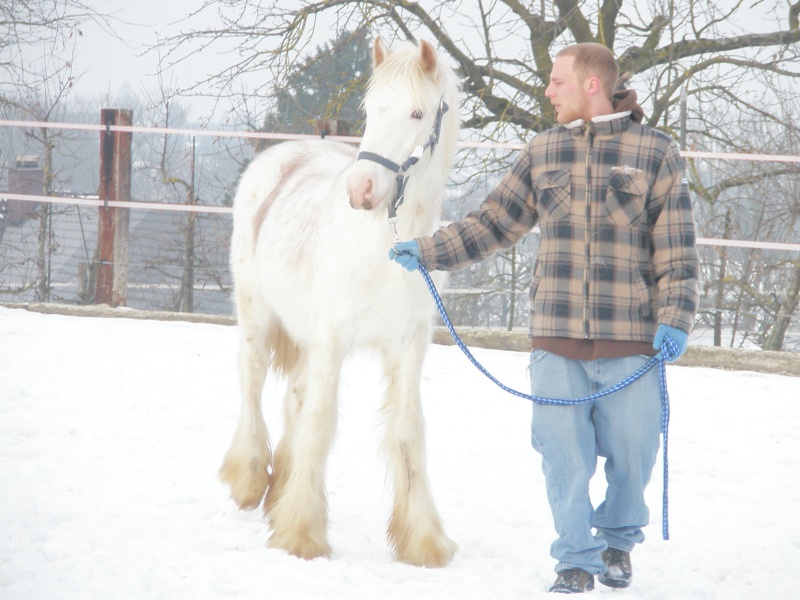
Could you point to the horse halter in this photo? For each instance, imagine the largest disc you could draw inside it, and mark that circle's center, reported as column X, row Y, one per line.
column 400, row 170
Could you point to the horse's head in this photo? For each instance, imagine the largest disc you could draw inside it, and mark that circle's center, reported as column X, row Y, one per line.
column 402, row 103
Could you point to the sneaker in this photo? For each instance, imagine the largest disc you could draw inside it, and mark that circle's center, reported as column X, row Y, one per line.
column 573, row 581
column 619, row 572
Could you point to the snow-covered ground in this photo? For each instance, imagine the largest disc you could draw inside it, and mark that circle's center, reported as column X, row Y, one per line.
column 112, row 431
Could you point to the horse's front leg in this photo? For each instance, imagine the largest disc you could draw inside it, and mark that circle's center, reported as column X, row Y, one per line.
column 246, row 465
column 296, row 503
column 415, row 528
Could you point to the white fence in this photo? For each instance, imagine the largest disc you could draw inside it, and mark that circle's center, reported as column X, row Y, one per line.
column 156, row 272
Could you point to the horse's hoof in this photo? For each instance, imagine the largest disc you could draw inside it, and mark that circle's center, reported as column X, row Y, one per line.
column 248, row 484
column 303, row 546
column 432, row 552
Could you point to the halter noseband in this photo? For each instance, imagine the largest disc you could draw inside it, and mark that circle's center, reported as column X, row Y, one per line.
column 400, row 170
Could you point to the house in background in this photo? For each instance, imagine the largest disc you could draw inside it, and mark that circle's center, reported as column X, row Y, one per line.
column 25, row 177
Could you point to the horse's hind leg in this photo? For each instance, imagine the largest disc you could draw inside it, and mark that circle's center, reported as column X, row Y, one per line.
column 415, row 528
column 246, row 465
column 296, row 503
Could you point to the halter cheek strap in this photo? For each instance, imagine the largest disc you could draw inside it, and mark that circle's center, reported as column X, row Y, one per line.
column 400, row 170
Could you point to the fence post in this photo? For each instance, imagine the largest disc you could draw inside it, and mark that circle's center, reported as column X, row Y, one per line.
column 111, row 283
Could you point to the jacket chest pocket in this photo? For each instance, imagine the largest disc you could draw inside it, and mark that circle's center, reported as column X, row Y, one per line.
column 625, row 198
column 554, row 194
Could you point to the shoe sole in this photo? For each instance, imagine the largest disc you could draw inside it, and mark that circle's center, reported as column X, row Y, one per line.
column 614, row 583
column 565, row 590
column 572, row 591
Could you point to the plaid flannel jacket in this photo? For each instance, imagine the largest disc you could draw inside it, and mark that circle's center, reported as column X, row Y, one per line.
column 617, row 254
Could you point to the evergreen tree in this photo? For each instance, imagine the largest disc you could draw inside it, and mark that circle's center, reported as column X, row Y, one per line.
column 326, row 87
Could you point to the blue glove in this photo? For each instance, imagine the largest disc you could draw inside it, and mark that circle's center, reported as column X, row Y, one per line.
column 681, row 339
column 406, row 254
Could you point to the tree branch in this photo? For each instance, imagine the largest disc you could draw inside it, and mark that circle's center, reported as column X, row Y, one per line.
column 569, row 11
column 637, row 59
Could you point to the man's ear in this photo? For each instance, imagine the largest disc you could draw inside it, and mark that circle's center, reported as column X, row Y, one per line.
column 593, row 85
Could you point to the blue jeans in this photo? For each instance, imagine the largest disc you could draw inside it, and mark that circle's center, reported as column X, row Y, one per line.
column 623, row 427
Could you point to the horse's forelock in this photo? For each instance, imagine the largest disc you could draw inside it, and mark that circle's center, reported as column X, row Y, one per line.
column 419, row 68
column 411, row 68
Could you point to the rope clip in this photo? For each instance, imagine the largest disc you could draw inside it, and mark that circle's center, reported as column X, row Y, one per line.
column 393, row 222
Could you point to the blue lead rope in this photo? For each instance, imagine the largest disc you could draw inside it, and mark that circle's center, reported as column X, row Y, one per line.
column 668, row 349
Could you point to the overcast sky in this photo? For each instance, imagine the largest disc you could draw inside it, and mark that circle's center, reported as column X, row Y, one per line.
column 108, row 64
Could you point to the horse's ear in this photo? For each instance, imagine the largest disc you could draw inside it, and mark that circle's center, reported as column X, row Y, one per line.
column 428, row 59
column 379, row 51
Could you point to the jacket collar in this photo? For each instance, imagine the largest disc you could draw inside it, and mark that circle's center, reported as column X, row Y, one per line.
column 604, row 125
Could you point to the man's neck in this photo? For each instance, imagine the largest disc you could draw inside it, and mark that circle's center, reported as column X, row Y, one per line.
column 602, row 108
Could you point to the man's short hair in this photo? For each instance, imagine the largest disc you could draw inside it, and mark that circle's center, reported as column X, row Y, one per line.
column 594, row 59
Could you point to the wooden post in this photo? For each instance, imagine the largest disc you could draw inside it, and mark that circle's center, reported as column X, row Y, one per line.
column 111, row 283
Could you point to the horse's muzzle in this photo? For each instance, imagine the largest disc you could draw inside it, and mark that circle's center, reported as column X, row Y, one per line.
column 361, row 192
column 363, row 206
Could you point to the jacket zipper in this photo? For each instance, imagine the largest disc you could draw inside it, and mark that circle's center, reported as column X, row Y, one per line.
column 587, row 231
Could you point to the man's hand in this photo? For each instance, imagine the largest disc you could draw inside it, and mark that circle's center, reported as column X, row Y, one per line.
column 406, row 254
column 680, row 338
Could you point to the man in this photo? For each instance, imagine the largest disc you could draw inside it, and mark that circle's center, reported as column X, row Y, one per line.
column 616, row 272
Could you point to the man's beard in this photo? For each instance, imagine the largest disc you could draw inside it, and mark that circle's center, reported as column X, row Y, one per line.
column 572, row 113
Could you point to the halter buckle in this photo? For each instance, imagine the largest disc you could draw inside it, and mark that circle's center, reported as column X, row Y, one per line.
column 417, row 152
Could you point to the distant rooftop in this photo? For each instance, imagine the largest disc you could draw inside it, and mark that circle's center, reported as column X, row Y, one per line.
column 27, row 161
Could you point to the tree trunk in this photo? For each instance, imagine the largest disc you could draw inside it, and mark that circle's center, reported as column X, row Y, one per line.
column 720, row 300
column 42, row 284
column 44, row 246
column 187, row 283
column 788, row 306
column 513, row 296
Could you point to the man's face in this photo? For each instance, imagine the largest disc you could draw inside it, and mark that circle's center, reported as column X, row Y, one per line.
column 567, row 95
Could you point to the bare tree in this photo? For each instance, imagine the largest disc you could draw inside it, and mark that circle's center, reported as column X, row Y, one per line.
column 752, row 294
column 184, row 252
column 503, row 48
column 736, row 79
column 37, row 46
column 31, row 28
column 42, row 99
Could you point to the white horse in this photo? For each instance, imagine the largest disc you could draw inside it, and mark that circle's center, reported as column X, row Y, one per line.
column 313, row 282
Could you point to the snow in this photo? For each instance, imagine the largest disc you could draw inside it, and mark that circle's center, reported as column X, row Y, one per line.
column 112, row 431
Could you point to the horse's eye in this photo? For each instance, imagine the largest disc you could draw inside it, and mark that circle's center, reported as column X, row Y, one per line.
column 417, row 115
